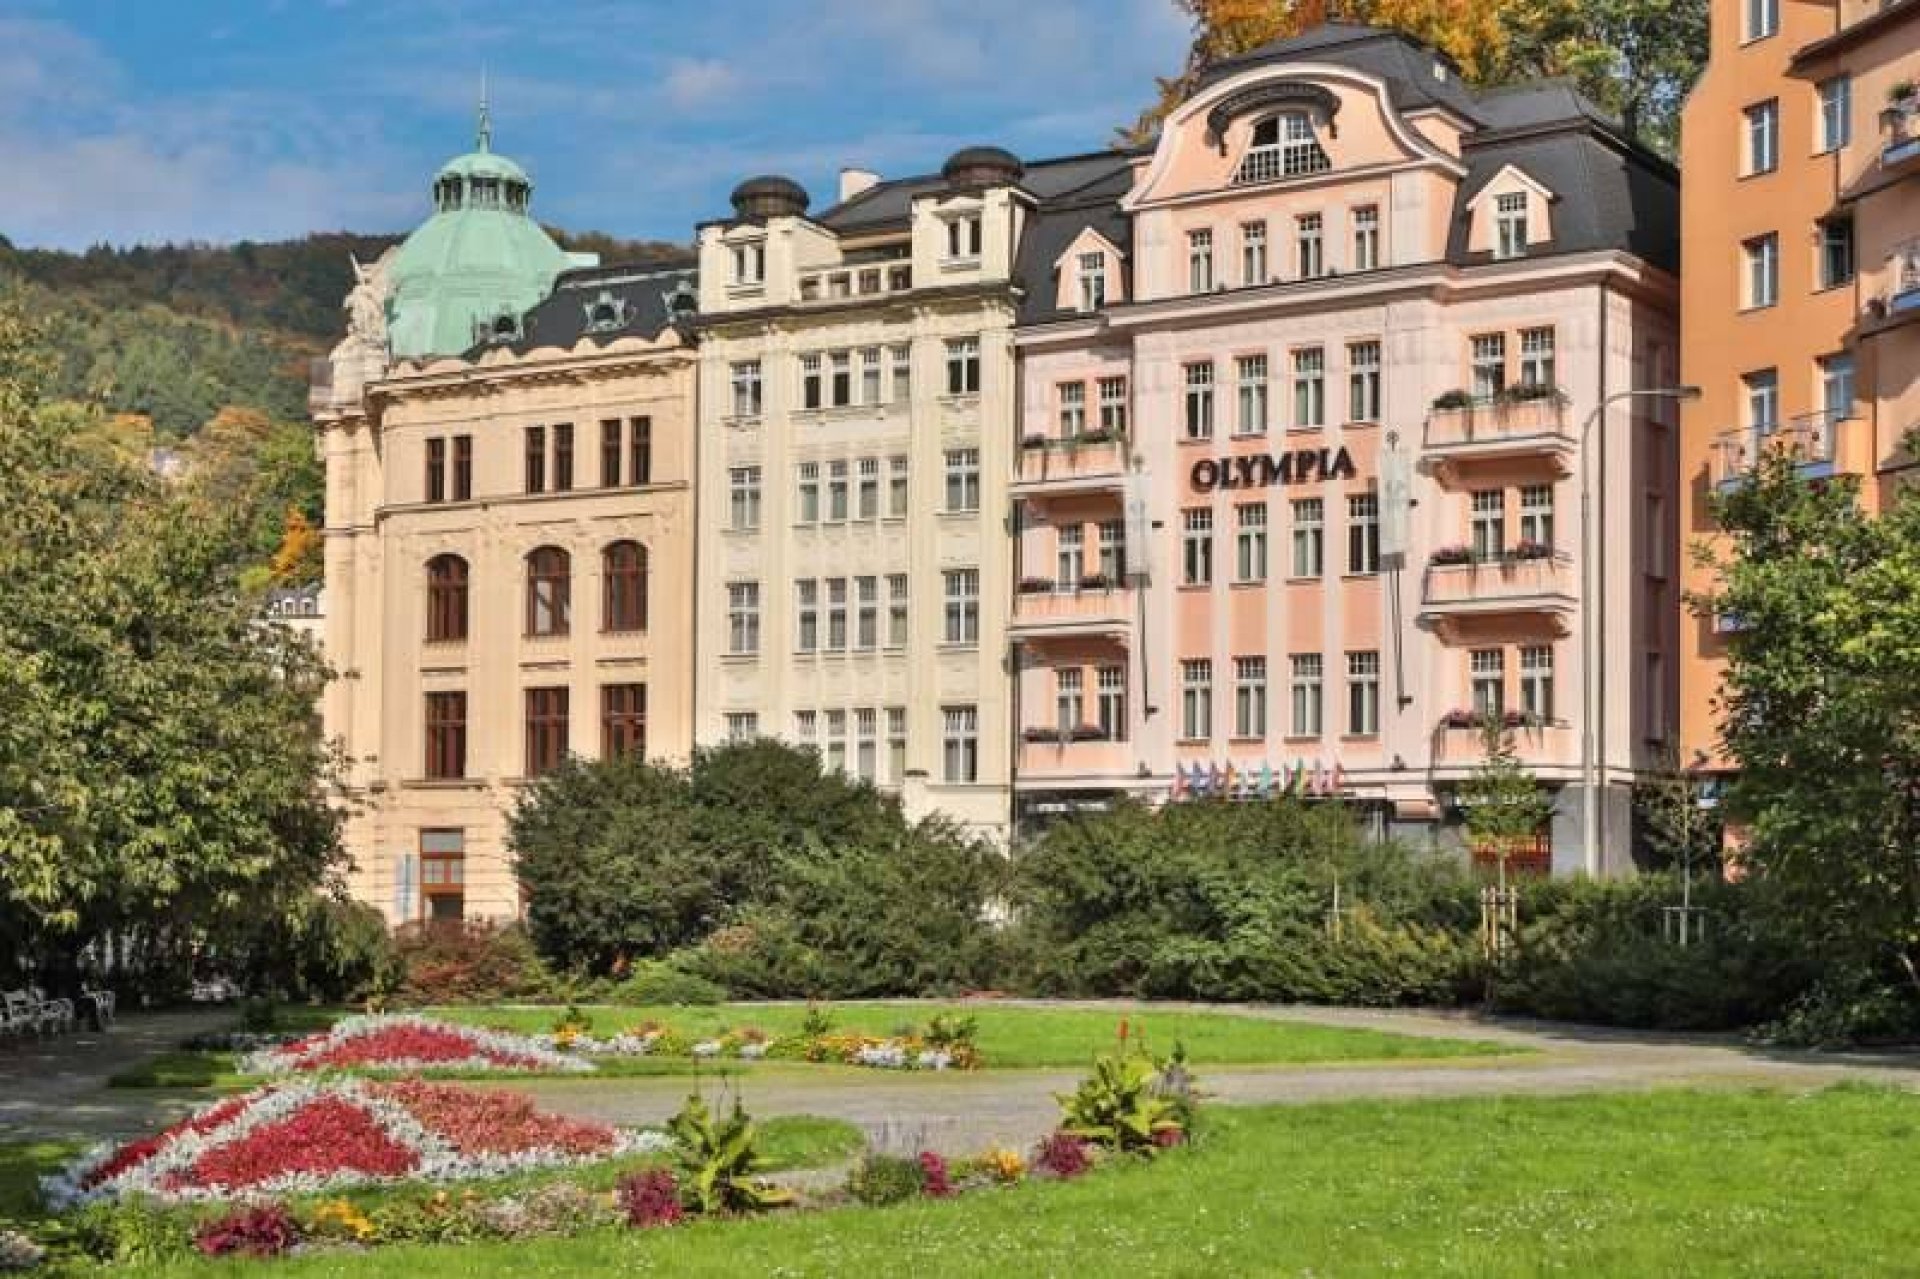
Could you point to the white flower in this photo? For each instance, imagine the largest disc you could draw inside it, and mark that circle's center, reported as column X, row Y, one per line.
column 752, row 1052
column 539, row 1049
column 707, row 1048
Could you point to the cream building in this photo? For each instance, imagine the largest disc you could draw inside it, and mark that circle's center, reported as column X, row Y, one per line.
column 507, row 432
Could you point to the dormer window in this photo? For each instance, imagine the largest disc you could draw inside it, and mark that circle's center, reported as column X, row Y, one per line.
column 486, row 192
column 750, row 263
column 1510, row 224
column 963, row 237
column 1284, row 146
column 1093, row 281
column 606, row 312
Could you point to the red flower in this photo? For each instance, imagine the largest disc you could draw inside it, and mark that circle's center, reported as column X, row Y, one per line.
column 489, row 1123
column 135, row 1153
column 935, row 1183
column 650, row 1198
column 412, row 1044
column 325, row 1136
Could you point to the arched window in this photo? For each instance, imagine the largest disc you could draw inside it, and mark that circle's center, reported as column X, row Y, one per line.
column 1284, row 146
column 549, row 592
column 623, row 567
column 446, row 598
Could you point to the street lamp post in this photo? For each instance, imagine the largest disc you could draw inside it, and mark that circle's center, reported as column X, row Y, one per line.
column 1592, row 649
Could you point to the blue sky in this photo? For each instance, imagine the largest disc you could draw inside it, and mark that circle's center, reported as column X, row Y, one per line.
column 153, row 120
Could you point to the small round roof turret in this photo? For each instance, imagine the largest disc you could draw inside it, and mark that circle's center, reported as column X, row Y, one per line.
column 770, row 196
column 982, row 167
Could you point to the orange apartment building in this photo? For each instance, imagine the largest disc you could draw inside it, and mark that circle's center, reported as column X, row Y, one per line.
column 1801, row 228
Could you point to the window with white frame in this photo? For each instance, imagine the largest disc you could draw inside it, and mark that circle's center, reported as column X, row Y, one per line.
column 743, row 498
column 1309, row 536
column 836, row 752
column 1113, row 550
column 838, row 492
column 1762, row 18
column 1111, row 703
column 1366, row 237
column 1363, row 382
column 896, row 610
column 1536, row 682
column 1363, row 694
column 1836, row 252
column 963, row 366
column 1763, row 399
column 743, row 618
column 897, row 488
column 896, row 744
column 1836, row 112
column 1489, row 365
column 1093, row 281
column 742, row 726
column 1309, row 671
column 866, row 749
column 1250, row 375
column 1067, row 706
column 1073, row 409
column 1762, row 254
column 1489, row 524
column 1763, row 136
column 1196, row 699
column 866, row 623
column 1250, row 697
column 963, row 605
column 1363, row 533
column 750, row 262
column 868, row 502
column 1510, row 224
column 806, row 615
column 1310, row 246
column 1253, row 253
column 1196, row 539
column 900, row 363
column 1283, row 146
column 1536, row 514
column 813, row 390
column 872, row 375
column 1069, row 558
column 747, row 399
column 836, row 615
column 963, row 480
column 1536, row 358
column 807, row 487
column 806, row 728
column 963, row 237
column 1200, row 400
column 840, row 382
column 1837, row 386
column 1250, row 557
column 1200, row 261
column 1488, row 669
column 961, row 743
column 1309, row 387
column 1113, row 406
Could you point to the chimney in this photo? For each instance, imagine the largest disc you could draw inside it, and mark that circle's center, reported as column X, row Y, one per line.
column 856, row 182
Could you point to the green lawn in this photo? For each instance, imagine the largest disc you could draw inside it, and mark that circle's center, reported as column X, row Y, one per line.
column 1695, row 1184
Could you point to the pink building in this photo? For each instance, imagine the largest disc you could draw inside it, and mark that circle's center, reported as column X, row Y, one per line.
column 1340, row 266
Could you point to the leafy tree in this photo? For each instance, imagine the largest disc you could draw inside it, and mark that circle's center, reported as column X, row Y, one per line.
column 1505, row 806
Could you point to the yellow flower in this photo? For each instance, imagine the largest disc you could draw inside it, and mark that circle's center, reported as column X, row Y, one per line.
column 1005, row 1165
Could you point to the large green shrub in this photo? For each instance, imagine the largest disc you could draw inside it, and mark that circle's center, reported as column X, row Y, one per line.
column 451, row 963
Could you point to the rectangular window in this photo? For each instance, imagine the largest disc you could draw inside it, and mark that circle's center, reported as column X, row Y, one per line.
column 750, row 262
column 866, row 625
column 896, row 744
column 1073, row 409
column 1309, row 536
column 1836, row 252
column 896, row 610
column 806, row 728
column 1837, row 386
column 1363, row 382
column 1366, row 237
column 900, row 359
column 446, row 735
column 437, row 469
column 963, row 480
column 1489, row 524
column 1488, row 668
column 806, row 615
column 1309, row 387
column 1762, row 255
column 963, row 237
column 813, row 389
column 1200, row 400
column 1113, row 550
column 961, row 743
column 640, row 451
column 1093, row 281
column 610, row 436
column 836, row 615
column 1250, row 558
column 1069, row 556
column 807, row 486
column 536, row 459
column 1536, row 515
column 1113, row 406
column 1763, row 137
column 1196, row 699
column 1363, row 533
column 743, row 618
column 462, row 468
column 563, row 457
column 963, row 367
column 840, row 379
column 1249, row 697
column 1308, row 672
column 838, row 493
column 747, row 400
column 867, row 494
column 1200, row 261
column 896, row 488
column 1111, row 703
column 866, row 745
column 443, row 874
column 1763, row 400
column 742, row 726
column 1068, row 708
column 835, row 756
column 1536, row 358
column 871, row 376
column 963, row 605
column 1763, row 18
column 743, row 497
column 1510, row 225
column 546, row 729
column 1197, row 547
column 1489, row 365
column 1253, row 253
column 1536, row 683
column 1250, row 373
column 1312, row 252
column 1836, row 112
column 1363, row 694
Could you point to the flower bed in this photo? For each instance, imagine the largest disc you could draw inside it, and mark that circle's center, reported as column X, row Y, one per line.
column 307, row 1136
column 407, row 1044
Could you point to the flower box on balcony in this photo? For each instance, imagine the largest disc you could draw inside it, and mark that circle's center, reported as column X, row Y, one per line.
column 1530, row 550
column 1530, row 393
column 1036, row 585
column 1458, row 718
column 1449, row 555
column 1452, row 401
column 1034, row 442
column 1099, row 435
column 1096, row 582
column 1040, row 736
column 1089, row 733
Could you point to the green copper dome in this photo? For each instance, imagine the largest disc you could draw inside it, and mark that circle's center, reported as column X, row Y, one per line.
column 478, row 264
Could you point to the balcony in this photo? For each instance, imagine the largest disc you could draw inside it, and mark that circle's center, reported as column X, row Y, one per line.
column 1043, row 611
column 870, row 280
column 1807, row 441
column 1094, row 460
column 1897, row 301
column 1899, row 134
column 1523, row 421
column 1459, row 740
column 1050, row 758
column 1527, row 579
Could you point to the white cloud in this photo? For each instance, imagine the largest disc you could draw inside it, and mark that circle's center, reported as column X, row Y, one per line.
column 691, row 83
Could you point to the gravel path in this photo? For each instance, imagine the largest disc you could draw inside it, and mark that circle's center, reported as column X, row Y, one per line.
column 56, row 1088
